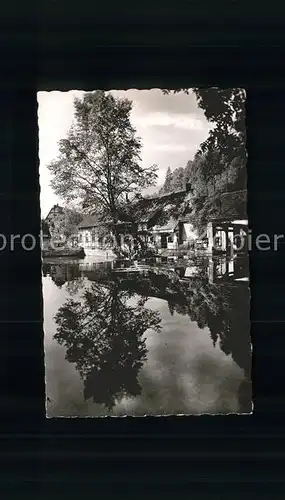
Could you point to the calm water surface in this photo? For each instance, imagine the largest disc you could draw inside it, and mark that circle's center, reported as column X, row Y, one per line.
column 160, row 342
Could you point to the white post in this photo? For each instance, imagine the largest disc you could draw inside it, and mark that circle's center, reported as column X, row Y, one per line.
column 210, row 235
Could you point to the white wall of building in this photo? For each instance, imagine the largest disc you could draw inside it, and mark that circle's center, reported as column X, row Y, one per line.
column 88, row 238
column 188, row 232
column 172, row 241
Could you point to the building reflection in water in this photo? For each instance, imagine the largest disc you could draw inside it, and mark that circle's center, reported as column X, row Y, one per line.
column 232, row 270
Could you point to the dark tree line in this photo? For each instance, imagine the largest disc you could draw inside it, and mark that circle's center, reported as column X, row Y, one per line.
column 176, row 180
column 217, row 174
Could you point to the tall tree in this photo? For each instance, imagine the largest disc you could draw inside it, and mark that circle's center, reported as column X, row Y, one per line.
column 187, row 170
column 178, row 179
column 174, row 181
column 99, row 161
column 72, row 219
column 168, row 181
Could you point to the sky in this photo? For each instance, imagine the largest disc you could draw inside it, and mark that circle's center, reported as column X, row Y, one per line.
column 171, row 128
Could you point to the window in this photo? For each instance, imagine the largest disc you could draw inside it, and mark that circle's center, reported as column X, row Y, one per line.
column 86, row 238
column 80, row 238
column 170, row 238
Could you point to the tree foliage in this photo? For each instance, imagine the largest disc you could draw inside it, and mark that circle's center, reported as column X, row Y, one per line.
column 225, row 109
column 167, row 187
column 216, row 191
column 219, row 167
column 176, row 180
column 72, row 219
column 99, row 160
column 64, row 223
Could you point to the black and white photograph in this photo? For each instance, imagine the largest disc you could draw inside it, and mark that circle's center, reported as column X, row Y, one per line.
column 145, row 252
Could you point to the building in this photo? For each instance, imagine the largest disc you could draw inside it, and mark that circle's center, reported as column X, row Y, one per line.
column 95, row 237
column 164, row 221
column 234, row 270
column 227, row 233
column 227, row 236
column 90, row 232
column 56, row 220
column 158, row 221
column 173, row 234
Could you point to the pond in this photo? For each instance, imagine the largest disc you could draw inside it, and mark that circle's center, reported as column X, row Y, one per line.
column 170, row 340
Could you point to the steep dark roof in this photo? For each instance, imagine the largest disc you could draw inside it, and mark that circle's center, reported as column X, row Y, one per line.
column 51, row 210
column 91, row 221
column 158, row 210
column 161, row 206
column 168, row 226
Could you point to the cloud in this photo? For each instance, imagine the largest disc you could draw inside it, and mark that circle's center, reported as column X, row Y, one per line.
column 153, row 100
column 173, row 148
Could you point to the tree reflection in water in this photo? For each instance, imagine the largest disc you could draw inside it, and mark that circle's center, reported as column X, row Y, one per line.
column 103, row 337
column 62, row 273
column 103, row 333
column 224, row 309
